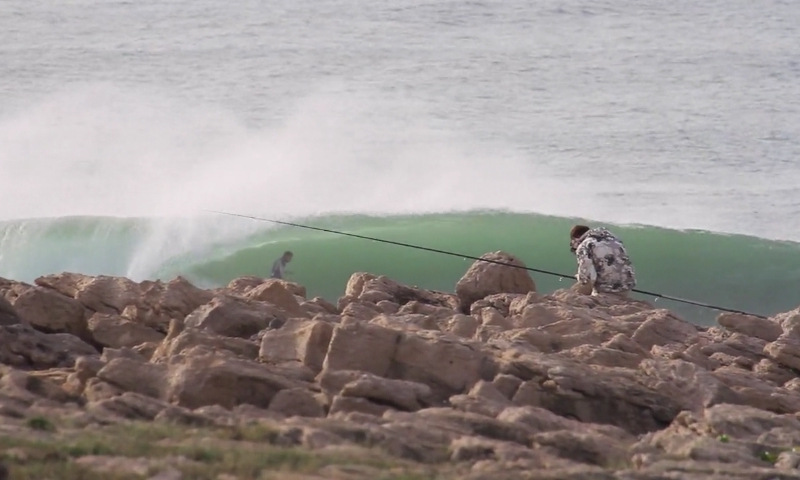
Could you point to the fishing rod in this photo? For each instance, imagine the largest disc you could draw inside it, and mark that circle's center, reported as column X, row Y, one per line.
column 470, row 257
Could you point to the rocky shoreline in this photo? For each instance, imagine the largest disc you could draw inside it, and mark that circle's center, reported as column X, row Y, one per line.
column 495, row 381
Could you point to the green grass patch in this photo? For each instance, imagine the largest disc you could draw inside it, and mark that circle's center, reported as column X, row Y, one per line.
column 41, row 423
column 247, row 452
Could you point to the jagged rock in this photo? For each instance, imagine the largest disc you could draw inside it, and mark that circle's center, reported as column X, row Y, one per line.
column 737, row 345
column 447, row 364
column 23, row 347
column 414, row 307
column 373, row 289
column 152, row 304
column 110, row 354
column 507, row 385
column 111, row 330
column 537, row 315
column 274, row 291
column 409, row 323
column 472, row 449
column 242, row 285
column 461, row 325
column 692, row 387
column 590, row 447
column 135, row 376
column 234, row 317
column 491, row 317
column 85, row 368
column 180, row 339
column 298, row 340
column 744, row 422
column 296, row 402
column 399, row 394
column 321, row 304
column 770, row 371
column 756, row 392
column 28, row 388
column 97, row 390
column 785, row 350
column 474, row 424
column 661, row 328
column 212, row 379
column 589, row 393
column 594, row 355
column 475, row 404
column 342, row 404
column 751, row 326
column 485, row 278
column 8, row 316
column 362, row 347
column 131, row 405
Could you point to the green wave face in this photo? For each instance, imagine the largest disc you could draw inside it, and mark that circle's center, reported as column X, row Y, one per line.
column 736, row 272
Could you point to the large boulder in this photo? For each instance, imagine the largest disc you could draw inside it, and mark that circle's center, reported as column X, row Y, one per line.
column 211, row 379
column 49, row 311
column 485, row 278
column 589, row 393
column 135, row 376
column 363, row 347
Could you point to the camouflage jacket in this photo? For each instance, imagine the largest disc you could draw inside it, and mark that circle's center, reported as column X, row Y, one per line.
column 603, row 262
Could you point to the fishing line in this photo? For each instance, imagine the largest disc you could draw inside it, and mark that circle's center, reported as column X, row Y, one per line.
column 470, row 257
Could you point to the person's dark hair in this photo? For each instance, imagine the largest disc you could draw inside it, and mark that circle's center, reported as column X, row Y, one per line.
column 287, row 253
column 578, row 231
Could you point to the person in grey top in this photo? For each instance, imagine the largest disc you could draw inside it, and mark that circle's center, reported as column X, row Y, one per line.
column 279, row 266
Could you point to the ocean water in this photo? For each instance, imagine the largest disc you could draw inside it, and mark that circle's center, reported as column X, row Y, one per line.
column 465, row 126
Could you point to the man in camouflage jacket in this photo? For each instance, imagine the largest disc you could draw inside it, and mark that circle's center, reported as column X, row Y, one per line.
column 603, row 262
